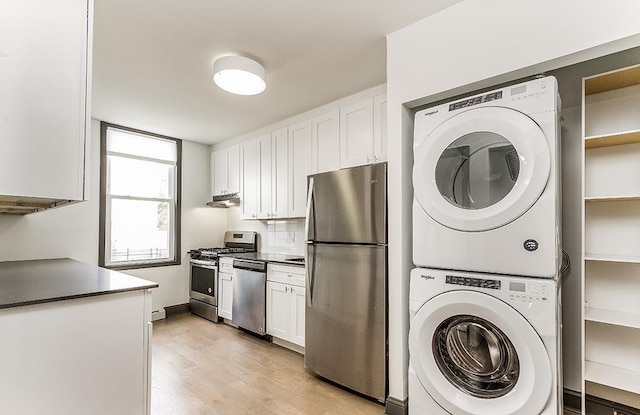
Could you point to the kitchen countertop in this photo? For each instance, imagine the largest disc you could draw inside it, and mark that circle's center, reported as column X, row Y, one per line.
column 47, row 280
column 266, row 257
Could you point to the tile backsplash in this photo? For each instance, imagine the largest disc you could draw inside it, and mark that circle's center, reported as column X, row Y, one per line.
column 283, row 236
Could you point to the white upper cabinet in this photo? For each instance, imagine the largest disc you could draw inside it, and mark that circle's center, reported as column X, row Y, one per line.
column 299, row 167
column 280, row 174
column 380, row 134
column 275, row 166
column 263, row 197
column 356, row 134
column 45, row 61
column 363, row 132
column 325, row 133
column 249, row 179
column 225, row 171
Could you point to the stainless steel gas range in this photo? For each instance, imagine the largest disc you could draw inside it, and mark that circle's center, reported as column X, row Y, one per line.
column 203, row 275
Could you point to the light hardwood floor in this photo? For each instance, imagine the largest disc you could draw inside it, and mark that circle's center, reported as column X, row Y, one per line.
column 203, row 368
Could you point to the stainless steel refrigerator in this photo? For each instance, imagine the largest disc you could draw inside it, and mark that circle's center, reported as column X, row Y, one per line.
column 346, row 258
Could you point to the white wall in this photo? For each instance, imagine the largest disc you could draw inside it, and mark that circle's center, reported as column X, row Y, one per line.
column 472, row 45
column 72, row 231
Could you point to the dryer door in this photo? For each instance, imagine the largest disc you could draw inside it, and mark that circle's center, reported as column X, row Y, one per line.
column 476, row 355
column 481, row 169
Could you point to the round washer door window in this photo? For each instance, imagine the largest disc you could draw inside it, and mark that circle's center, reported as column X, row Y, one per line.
column 481, row 169
column 476, row 355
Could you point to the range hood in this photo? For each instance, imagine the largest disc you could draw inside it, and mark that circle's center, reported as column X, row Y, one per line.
column 225, row 201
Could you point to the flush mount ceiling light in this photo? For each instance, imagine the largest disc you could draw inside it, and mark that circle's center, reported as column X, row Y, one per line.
column 239, row 75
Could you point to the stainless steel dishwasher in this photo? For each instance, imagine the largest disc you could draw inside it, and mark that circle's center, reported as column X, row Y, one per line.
column 249, row 295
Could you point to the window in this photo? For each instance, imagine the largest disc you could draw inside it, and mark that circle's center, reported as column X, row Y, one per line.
column 139, row 198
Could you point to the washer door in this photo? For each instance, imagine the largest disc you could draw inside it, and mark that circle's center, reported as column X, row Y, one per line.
column 476, row 355
column 481, row 169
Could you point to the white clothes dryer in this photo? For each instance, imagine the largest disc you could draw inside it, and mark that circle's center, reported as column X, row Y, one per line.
column 486, row 181
column 483, row 344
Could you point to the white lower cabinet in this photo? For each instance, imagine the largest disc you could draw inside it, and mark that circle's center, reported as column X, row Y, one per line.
column 225, row 288
column 81, row 356
column 286, row 303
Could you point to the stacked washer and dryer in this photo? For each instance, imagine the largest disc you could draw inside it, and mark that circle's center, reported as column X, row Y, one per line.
column 485, row 299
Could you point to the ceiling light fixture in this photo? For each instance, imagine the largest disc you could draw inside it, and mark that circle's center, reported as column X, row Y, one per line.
column 239, row 75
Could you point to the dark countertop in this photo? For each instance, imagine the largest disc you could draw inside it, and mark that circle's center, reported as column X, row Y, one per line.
column 48, row 280
column 266, row 257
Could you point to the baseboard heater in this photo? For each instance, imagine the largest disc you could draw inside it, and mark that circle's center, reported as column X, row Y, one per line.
column 158, row 315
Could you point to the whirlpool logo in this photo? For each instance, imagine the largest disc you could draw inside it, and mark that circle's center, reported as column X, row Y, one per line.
column 427, row 277
column 426, row 114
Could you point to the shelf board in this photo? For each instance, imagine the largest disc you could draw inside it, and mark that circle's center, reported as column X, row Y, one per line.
column 615, row 377
column 616, row 318
column 595, row 199
column 615, row 139
column 612, row 80
column 633, row 259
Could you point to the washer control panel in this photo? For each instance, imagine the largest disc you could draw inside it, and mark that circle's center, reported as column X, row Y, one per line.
column 528, row 291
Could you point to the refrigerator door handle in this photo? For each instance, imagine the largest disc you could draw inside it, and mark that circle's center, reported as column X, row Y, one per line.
column 308, row 224
column 310, row 273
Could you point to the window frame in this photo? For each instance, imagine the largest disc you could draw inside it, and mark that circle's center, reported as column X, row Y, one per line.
column 104, row 207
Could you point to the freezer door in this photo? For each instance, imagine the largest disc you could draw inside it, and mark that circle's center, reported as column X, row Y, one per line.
column 348, row 205
column 346, row 314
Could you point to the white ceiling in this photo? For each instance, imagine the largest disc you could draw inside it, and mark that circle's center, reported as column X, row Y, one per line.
column 152, row 59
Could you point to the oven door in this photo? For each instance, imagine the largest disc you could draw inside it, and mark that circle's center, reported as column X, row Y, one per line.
column 204, row 282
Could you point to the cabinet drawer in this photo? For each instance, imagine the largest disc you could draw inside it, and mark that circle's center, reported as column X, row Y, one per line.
column 286, row 274
column 225, row 265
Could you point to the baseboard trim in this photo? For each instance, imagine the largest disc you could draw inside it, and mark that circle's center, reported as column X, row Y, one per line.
column 395, row 406
column 172, row 310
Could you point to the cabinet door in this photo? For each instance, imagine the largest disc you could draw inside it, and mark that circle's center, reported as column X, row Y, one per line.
column 325, row 131
column 225, row 293
column 356, row 134
column 278, row 310
column 299, row 167
column 280, row 172
column 219, row 172
column 298, row 305
column 80, row 356
column 249, row 179
column 380, row 141
column 233, row 171
column 265, row 177
column 44, row 97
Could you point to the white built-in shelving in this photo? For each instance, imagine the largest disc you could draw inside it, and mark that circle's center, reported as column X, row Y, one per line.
column 611, row 245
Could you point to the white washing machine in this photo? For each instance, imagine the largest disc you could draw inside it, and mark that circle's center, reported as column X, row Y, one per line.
column 483, row 344
column 486, row 181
